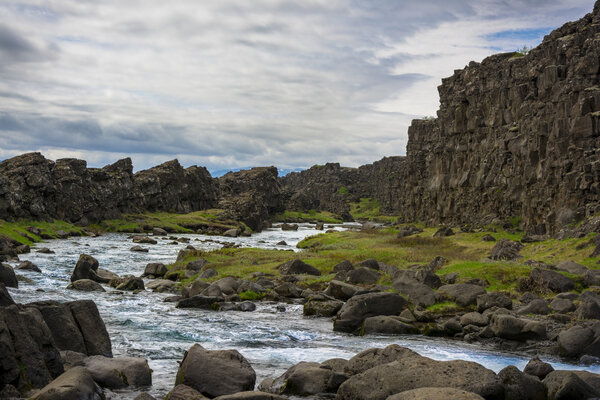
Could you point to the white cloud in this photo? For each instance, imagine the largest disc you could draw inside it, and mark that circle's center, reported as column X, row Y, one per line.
column 235, row 83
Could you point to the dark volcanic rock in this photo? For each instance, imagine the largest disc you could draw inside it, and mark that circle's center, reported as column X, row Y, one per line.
column 5, row 298
column 76, row 383
column 358, row 308
column 7, row 276
column 87, row 268
column 297, row 267
column 506, row 249
column 307, row 378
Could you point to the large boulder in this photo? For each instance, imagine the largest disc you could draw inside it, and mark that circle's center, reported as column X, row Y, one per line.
column 551, row 280
column 215, row 372
column 358, row 308
column 572, row 267
column 5, row 298
column 306, row 379
column 536, row 306
column 155, row 269
column 7, row 276
column 93, row 330
column 463, row 294
column 537, row 367
column 86, row 268
column 29, row 266
column 387, row 325
column 506, row 249
column 341, row 290
column 76, row 383
column 86, row 285
column 373, row 357
column 320, row 306
column 520, row 386
column 202, row 302
column 436, row 393
column 117, row 373
column 298, row 267
column 573, row 342
column 508, row 327
column 493, row 299
column 566, row 385
column 363, row 275
column 418, row 293
column 382, row 381
column 184, row 392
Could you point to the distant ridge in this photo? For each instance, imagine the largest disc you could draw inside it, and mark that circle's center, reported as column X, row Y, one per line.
column 281, row 171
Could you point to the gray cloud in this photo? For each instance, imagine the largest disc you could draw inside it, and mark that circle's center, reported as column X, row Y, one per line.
column 235, row 83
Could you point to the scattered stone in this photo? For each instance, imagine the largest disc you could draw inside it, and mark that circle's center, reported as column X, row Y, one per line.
column 298, row 267
column 473, row 318
column 184, row 392
column 373, row 357
column 518, row 385
column 340, row 290
column 196, row 265
column 156, row 270
column 359, row 307
column 282, row 243
column 551, row 280
column 156, row 231
column 130, row 283
column 29, row 266
column 588, row 309
column 289, row 227
column 139, row 249
column 86, row 268
column 208, row 273
column 363, row 275
column 144, row 240
column 537, row 367
column 463, row 294
column 215, row 372
column 506, row 249
column 251, row 395
column 319, row 306
column 369, row 263
column 86, row 285
column 537, row 306
column 572, row 342
column 202, row 302
column 512, row 328
column 562, row 306
column 231, row 233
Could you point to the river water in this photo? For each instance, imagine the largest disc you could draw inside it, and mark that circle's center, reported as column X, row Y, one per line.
column 142, row 325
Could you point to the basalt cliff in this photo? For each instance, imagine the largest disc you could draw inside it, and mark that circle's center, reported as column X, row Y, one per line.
column 515, row 136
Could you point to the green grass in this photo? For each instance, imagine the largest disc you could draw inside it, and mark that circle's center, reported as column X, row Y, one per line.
column 251, row 295
column 369, row 209
column 501, row 276
column 17, row 230
column 310, row 216
column 444, row 307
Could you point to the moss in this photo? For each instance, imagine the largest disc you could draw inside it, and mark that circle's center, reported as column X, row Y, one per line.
column 311, row 216
column 251, row 295
column 343, row 190
column 370, row 209
column 17, row 230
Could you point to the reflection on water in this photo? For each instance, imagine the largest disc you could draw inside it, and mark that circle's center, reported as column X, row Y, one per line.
column 143, row 325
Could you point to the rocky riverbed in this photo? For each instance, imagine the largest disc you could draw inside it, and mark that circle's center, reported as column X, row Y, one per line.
column 273, row 337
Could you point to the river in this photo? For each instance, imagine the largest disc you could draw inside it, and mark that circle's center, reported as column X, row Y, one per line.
column 142, row 325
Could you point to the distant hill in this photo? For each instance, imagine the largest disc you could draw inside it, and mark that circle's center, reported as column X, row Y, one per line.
column 281, row 171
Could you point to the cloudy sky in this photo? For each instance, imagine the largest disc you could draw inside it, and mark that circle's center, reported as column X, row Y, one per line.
column 237, row 83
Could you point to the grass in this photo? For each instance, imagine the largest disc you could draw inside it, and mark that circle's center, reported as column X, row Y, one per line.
column 251, row 295
column 443, row 308
column 208, row 220
column 17, row 230
column 369, row 209
column 310, row 216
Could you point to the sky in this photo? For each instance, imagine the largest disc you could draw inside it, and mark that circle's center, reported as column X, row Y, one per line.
column 237, row 83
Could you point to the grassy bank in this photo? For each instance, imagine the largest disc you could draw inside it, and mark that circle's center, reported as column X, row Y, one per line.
column 22, row 231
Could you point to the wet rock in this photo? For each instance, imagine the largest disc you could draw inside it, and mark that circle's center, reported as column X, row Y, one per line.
column 29, row 266
column 7, row 276
column 184, row 392
column 506, row 249
column 537, row 367
column 566, row 385
column 161, row 285
column 493, row 299
column 298, row 267
column 322, row 307
column 156, row 231
column 129, row 283
column 215, row 372
column 231, row 233
column 86, row 268
column 572, row 342
column 44, row 250
column 387, row 325
column 143, row 240
column 415, row 372
column 373, row 357
column 340, row 290
column 156, row 270
column 202, row 302
column 306, row 379
column 76, row 383
column 518, row 385
column 139, row 249
column 408, row 230
column 118, row 373
column 431, row 393
column 105, row 274
column 463, row 294
column 359, row 307
column 5, row 298
column 363, row 275
column 86, row 285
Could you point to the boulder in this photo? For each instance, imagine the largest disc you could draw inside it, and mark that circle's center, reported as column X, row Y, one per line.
column 463, row 294
column 76, row 383
column 387, row 325
column 161, row 286
column 130, row 283
column 566, row 385
column 86, row 285
column 106, row 274
column 208, row 273
column 363, row 275
column 72, row 359
column 228, row 285
column 551, row 280
column 322, row 307
column 63, row 327
column 369, row 263
column 588, row 309
column 44, row 250
column 184, row 392
column 298, row 267
column 289, row 290
column 488, row 238
column 436, row 393
column 251, row 395
column 202, row 302
column 340, row 290
column 336, row 364
column 473, row 318
column 408, row 230
column 418, row 293
column 118, row 373
column 443, row 232
column 537, row 306
column 196, row 265
column 306, row 379
column 289, row 227
column 572, row 267
column 506, row 249
column 139, row 249
column 156, row 231
column 373, row 357
column 143, row 240
column 359, row 307
column 493, row 299
column 7, row 276
column 231, row 233
column 537, row 367
column 155, row 269
column 86, row 268
column 92, row 328
column 562, row 306
column 518, row 385
column 408, row 373
column 29, row 266
column 343, row 266
column 5, row 298
column 572, row 342
column 512, row 328
column 215, row 372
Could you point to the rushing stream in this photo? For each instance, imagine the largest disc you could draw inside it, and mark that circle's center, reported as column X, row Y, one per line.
column 142, row 325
